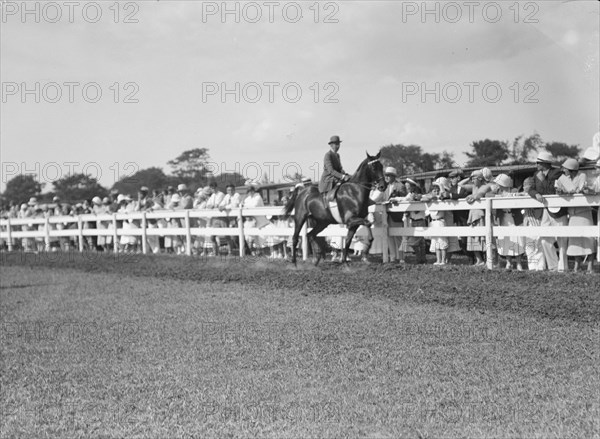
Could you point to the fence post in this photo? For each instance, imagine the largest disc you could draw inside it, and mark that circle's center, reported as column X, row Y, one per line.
column 47, row 234
column 80, row 232
column 9, row 231
column 144, row 233
column 188, row 234
column 115, row 235
column 598, row 241
column 241, row 233
column 384, row 231
column 304, row 233
column 489, row 234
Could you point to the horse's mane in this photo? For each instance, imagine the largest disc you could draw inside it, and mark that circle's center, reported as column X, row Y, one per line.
column 362, row 169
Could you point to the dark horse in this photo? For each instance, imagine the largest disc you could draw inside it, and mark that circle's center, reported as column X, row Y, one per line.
column 352, row 201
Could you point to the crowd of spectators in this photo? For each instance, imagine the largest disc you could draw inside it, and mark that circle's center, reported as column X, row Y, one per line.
column 171, row 199
column 539, row 253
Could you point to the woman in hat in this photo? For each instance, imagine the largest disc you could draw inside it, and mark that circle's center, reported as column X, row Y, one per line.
column 508, row 246
column 439, row 244
column 254, row 199
column 595, row 189
column 413, row 219
column 173, row 243
column 574, row 182
column 476, row 218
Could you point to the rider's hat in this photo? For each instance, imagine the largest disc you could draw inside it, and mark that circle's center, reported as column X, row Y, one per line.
column 334, row 139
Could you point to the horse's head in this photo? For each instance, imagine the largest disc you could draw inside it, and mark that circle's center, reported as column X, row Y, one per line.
column 375, row 172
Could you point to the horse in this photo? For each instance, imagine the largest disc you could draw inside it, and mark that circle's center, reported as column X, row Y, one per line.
column 352, row 199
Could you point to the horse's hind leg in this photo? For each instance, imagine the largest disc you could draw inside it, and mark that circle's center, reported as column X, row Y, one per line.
column 351, row 231
column 318, row 228
column 298, row 223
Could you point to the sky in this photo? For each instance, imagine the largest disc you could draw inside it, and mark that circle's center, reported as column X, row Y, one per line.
column 263, row 85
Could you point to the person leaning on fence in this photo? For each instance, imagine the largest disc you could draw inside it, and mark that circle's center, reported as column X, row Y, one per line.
column 394, row 190
column 544, row 184
column 186, row 199
column 413, row 219
column 213, row 202
column 230, row 201
column 439, row 244
column 174, row 243
column 510, row 247
column 594, row 188
column 476, row 218
column 202, row 244
column 531, row 218
column 251, row 200
column 574, row 182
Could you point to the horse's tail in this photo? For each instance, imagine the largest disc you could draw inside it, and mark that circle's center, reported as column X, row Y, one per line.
column 289, row 206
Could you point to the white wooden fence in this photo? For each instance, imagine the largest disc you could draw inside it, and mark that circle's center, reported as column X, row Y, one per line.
column 10, row 228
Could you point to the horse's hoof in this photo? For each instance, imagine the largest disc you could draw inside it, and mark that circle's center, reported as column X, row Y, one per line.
column 365, row 260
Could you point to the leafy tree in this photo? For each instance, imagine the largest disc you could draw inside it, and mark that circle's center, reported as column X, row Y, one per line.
column 446, row 160
column 411, row 159
column 521, row 149
column 561, row 151
column 190, row 166
column 230, row 178
column 153, row 178
column 78, row 187
column 22, row 187
column 487, row 153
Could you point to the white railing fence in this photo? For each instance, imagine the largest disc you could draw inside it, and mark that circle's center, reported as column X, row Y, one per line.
column 76, row 226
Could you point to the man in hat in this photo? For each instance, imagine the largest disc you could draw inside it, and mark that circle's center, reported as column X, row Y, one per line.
column 394, row 189
column 144, row 201
column 544, row 184
column 459, row 217
column 333, row 172
column 186, row 200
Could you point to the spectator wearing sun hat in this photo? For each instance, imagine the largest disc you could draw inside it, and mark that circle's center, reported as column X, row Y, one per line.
column 574, row 182
column 510, row 247
column 439, row 244
column 186, row 199
column 457, row 192
column 476, row 218
column 595, row 187
column 251, row 200
column 413, row 218
column 144, row 202
column 544, row 183
column 394, row 190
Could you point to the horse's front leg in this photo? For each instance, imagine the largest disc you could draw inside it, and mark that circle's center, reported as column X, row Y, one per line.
column 351, row 231
column 353, row 226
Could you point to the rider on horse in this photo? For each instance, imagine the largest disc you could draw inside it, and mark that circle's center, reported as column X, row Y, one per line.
column 333, row 173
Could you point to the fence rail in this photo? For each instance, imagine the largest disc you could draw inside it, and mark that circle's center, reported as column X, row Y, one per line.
column 76, row 226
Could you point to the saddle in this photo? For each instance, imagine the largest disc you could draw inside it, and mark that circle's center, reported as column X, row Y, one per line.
column 329, row 200
column 329, row 196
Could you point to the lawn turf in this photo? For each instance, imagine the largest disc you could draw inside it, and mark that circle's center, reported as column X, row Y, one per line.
column 177, row 347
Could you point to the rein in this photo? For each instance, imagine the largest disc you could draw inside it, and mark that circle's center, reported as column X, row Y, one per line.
column 366, row 186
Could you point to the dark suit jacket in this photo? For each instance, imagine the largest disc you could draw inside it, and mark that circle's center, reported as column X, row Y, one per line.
column 544, row 185
column 332, row 171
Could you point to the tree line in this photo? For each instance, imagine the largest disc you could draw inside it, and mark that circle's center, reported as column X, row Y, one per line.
column 190, row 167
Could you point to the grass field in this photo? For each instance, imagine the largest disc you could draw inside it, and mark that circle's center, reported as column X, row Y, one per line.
column 143, row 346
